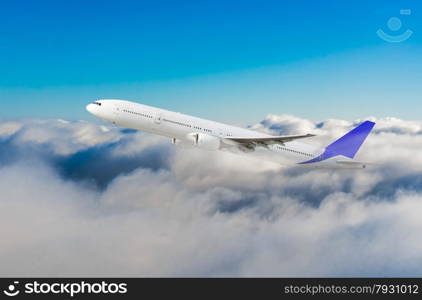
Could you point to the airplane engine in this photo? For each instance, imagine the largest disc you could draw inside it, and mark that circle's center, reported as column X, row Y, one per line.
column 204, row 141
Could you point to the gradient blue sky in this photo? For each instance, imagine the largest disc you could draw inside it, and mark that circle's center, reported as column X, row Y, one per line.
column 233, row 61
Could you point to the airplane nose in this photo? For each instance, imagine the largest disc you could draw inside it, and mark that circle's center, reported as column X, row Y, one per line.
column 90, row 108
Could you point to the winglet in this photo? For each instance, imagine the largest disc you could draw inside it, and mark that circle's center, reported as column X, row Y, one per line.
column 349, row 144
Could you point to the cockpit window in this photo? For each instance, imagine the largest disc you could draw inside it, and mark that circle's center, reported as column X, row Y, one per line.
column 97, row 103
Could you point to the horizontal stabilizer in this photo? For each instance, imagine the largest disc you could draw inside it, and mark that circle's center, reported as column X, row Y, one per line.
column 352, row 164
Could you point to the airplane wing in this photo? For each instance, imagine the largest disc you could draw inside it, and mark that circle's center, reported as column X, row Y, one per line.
column 251, row 142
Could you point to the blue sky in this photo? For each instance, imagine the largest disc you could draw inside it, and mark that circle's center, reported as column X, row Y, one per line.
column 227, row 60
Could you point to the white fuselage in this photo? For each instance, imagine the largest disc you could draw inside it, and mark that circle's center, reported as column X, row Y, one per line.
column 180, row 127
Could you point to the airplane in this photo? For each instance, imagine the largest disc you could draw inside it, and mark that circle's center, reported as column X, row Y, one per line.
column 205, row 134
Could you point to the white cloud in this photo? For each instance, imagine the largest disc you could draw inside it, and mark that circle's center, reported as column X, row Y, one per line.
column 9, row 128
column 162, row 211
column 61, row 136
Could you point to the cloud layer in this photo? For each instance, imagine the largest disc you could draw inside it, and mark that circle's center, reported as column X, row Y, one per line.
column 80, row 199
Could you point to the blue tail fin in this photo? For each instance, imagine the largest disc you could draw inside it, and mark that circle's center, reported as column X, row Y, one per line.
column 350, row 143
